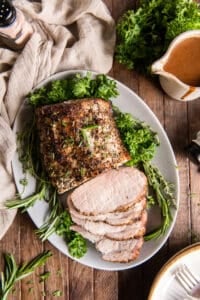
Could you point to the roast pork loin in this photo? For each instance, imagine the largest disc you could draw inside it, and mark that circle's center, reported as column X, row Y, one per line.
column 78, row 140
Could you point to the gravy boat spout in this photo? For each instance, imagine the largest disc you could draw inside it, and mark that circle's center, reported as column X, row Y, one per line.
column 179, row 68
column 157, row 67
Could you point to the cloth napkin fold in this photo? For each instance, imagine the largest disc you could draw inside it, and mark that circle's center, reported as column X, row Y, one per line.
column 68, row 34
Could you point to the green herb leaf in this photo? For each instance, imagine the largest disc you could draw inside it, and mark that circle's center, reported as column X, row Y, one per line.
column 14, row 273
column 138, row 138
column 144, row 34
column 75, row 87
column 77, row 246
column 44, row 276
column 164, row 192
column 28, row 201
column 57, row 293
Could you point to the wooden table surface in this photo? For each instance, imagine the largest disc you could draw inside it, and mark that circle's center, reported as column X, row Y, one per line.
column 77, row 282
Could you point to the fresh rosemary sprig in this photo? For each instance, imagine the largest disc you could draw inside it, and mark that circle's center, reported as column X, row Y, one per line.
column 59, row 222
column 164, row 198
column 24, row 204
column 13, row 273
column 55, row 208
column 29, row 153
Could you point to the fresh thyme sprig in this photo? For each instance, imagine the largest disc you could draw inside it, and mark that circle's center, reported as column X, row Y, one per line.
column 28, row 151
column 49, row 227
column 164, row 198
column 13, row 273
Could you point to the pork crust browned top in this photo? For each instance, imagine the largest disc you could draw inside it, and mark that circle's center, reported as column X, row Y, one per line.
column 78, row 140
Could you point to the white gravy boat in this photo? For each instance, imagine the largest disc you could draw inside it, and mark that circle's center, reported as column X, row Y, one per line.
column 171, row 84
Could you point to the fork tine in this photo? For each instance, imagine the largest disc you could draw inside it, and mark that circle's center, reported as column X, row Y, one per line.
column 180, row 277
column 190, row 275
column 186, row 278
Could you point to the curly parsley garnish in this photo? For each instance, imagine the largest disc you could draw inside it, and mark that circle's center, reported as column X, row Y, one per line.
column 144, row 34
column 75, row 87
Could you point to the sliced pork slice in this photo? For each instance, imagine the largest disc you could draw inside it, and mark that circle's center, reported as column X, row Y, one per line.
column 135, row 230
column 116, row 218
column 116, row 251
column 125, row 256
column 106, row 245
column 86, row 234
column 78, row 140
column 102, row 228
column 111, row 191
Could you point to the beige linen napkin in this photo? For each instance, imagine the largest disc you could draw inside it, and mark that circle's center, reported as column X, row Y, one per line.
column 68, row 34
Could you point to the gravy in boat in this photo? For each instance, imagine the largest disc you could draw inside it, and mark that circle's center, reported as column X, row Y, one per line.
column 184, row 61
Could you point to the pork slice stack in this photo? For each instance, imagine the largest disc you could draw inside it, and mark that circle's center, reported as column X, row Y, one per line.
column 110, row 211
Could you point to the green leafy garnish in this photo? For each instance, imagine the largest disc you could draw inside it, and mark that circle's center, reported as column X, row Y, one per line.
column 138, row 138
column 14, row 273
column 77, row 246
column 145, row 34
column 75, row 87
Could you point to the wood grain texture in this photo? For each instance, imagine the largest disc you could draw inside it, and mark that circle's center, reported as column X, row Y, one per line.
column 30, row 247
column 78, row 282
column 81, row 282
column 105, row 285
column 11, row 244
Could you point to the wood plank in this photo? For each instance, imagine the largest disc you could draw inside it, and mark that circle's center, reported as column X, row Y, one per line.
column 152, row 267
column 105, row 285
column 150, row 91
column 136, row 283
column 176, row 128
column 11, row 244
column 58, row 281
column 30, row 247
column 194, row 195
column 119, row 7
column 130, row 284
column 80, row 281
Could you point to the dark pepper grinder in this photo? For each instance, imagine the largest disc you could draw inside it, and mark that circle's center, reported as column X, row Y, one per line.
column 14, row 29
column 193, row 149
